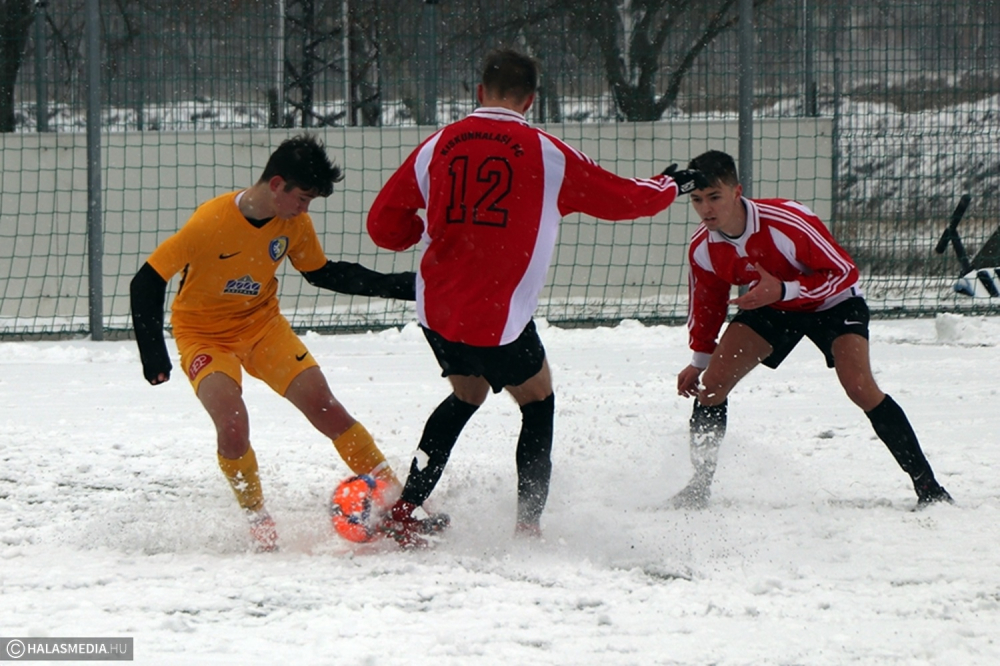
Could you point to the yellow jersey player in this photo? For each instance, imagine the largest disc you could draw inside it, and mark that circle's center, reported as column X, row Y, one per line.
column 226, row 316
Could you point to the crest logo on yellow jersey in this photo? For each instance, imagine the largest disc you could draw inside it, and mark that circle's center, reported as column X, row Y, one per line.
column 278, row 248
column 244, row 286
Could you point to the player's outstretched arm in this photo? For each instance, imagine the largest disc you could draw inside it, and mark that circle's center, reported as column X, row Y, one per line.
column 147, row 293
column 349, row 278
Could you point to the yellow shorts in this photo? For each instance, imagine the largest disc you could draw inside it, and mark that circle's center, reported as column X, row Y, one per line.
column 275, row 355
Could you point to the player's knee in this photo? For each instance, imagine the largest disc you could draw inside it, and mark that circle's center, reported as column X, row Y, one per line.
column 714, row 391
column 866, row 397
column 473, row 395
column 536, row 389
column 232, row 428
column 861, row 389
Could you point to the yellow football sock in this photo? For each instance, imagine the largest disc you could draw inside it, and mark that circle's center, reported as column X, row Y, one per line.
column 242, row 476
column 356, row 446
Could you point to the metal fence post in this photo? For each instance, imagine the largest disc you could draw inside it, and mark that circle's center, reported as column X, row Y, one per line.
column 810, row 101
column 350, row 112
column 746, row 74
column 95, row 235
column 427, row 57
column 276, row 94
column 836, row 25
column 41, row 94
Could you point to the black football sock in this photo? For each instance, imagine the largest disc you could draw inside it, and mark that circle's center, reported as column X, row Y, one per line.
column 440, row 434
column 893, row 428
column 534, row 459
column 708, row 427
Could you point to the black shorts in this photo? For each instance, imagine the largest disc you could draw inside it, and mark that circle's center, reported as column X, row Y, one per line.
column 507, row 365
column 783, row 330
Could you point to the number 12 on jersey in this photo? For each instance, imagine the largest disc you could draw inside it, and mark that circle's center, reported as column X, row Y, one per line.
column 490, row 183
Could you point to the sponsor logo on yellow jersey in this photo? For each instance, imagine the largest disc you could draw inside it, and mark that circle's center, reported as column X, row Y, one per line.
column 244, row 286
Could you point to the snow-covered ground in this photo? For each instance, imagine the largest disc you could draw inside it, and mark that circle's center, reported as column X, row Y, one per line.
column 115, row 520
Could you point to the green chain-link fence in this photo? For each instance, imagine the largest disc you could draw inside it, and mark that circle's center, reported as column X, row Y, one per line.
column 878, row 115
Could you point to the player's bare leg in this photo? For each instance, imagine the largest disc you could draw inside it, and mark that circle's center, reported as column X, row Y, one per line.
column 853, row 365
column 740, row 350
column 223, row 400
column 311, row 394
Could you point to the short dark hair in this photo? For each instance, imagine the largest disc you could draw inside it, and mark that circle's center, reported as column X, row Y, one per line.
column 507, row 73
column 717, row 167
column 303, row 163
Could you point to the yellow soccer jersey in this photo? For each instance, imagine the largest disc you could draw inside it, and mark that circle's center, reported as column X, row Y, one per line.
column 228, row 286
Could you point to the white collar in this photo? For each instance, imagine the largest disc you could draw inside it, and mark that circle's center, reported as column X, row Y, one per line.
column 499, row 113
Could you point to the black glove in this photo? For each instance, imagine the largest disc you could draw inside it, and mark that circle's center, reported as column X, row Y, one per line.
column 686, row 179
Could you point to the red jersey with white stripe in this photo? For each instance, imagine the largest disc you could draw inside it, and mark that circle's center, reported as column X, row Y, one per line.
column 494, row 189
column 789, row 242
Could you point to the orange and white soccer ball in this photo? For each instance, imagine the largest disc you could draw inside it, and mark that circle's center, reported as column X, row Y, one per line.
column 357, row 506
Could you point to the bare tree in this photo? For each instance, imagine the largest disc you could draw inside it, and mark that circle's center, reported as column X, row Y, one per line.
column 365, row 38
column 648, row 57
column 408, row 42
column 632, row 39
column 14, row 27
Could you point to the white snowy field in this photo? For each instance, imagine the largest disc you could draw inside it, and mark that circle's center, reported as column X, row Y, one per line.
column 115, row 520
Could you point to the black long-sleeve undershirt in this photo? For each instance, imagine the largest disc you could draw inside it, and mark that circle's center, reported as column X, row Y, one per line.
column 147, row 294
column 350, row 278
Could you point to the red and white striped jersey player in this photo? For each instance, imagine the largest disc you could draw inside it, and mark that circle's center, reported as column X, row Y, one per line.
column 801, row 283
column 494, row 189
